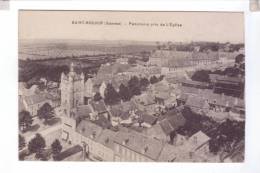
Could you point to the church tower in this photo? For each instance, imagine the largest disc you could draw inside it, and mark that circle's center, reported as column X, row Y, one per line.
column 72, row 90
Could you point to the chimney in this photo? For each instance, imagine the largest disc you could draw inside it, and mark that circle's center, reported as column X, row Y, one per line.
column 145, row 149
column 125, row 142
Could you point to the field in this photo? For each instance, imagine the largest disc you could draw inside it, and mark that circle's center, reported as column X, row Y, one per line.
column 49, row 58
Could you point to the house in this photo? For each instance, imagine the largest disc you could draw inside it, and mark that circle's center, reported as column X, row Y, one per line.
column 105, row 142
column 166, row 99
column 195, row 84
column 23, row 91
column 98, row 108
column 145, row 102
column 88, row 133
column 197, row 104
column 147, row 120
column 132, row 146
column 122, row 60
column 164, row 129
column 52, row 85
column 227, row 84
column 198, row 144
column 83, row 111
column 123, row 111
column 34, row 102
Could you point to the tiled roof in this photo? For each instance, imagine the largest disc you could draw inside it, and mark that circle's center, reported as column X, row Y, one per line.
column 172, row 122
column 150, row 119
column 107, row 138
column 197, row 83
column 145, row 99
column 197, row 140
column 139, row 143
column 83, row 110
column 89, row 129
column 103, row 122
column 168, row 153
column 98, row 106
column 163, row 54
column 195, row 101
column 36, row 98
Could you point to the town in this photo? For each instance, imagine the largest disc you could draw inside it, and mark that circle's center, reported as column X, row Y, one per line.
column 175, row 102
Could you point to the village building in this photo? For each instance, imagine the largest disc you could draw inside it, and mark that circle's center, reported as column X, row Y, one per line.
column 164, row 130
column 34, row 102
column 122, row 60
column 145, row 102
column 133, row 146
column 197, row 104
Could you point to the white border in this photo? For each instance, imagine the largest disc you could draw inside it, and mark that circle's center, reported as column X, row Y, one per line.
column 8, row 84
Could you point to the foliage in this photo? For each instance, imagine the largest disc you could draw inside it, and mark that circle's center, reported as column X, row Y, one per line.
column 22, row 142
column 154, row 80
column 25, row 120
column 124, row 93
column 97, row 97
column 37, row 144
column 45, row 112
column 240, row 58
column 111, row 96
column 56, row 147
column 201, row 76
column 134, row 86
column 144, row 83
column 131, row 60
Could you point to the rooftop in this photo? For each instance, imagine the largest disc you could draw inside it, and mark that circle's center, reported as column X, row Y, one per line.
column 139, row 143
column 107, row 138
column 89, row 129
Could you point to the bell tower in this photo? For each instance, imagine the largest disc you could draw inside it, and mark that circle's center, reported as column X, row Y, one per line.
column 72, row 90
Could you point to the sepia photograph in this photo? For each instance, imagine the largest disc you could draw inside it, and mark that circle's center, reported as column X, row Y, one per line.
column 131, row 86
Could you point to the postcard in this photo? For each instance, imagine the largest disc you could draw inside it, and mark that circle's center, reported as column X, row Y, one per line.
column 131, row 86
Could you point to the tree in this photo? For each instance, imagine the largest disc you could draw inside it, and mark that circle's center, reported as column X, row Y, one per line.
column 144, row 83
column 124, row 93
column 131, row 60
column 25, row 120
column 111, row 96
column 240, row 58
column 21, row 142
column 37, row 144
column 97, row 97
column 153, row 80
column 134, row 86
column 45, row 112
column 214, row 146
column 201, row 76
column 161, row 77
column 56, row 147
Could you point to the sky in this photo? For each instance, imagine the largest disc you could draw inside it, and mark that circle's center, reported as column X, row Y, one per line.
column 189, row 26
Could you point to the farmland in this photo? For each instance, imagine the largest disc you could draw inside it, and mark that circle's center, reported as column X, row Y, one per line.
column 49, row 58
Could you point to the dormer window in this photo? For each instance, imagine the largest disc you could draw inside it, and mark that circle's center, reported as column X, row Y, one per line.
column 125, row 142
